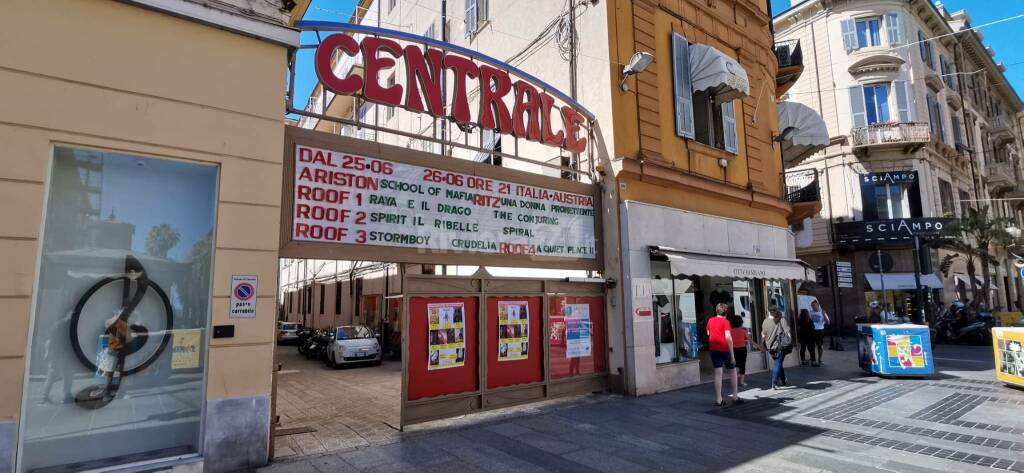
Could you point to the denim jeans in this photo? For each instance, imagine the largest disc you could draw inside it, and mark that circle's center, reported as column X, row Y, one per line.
column 778, row 372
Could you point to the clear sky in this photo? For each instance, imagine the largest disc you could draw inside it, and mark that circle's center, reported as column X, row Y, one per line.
column 1000, row 36
column 324, row 10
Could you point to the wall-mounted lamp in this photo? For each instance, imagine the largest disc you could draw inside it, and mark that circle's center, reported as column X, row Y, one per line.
column 788, row 132
column 637, row 64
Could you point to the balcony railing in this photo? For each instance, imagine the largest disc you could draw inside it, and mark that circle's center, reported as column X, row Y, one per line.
column 802, row 186
column 789, row 53
column 891, row 134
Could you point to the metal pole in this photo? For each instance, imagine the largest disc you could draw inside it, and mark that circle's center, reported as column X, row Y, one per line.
column 881, row 279
column 917, row 279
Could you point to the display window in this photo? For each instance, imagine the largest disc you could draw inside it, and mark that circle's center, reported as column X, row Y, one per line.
column 117, row 354
column 576, row 335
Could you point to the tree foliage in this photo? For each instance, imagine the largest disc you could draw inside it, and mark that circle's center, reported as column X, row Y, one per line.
column 978, row 234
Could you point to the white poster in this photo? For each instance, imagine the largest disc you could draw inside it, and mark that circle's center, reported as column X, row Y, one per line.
column 243, row 297
column 367, row 201
column 513, row 330
column 577, row 330
column 446, row 345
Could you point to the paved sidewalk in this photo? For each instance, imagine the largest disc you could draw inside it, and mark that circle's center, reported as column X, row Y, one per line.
column 835, row 419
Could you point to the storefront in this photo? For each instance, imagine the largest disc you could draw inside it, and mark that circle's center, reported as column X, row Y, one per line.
column 683, row 263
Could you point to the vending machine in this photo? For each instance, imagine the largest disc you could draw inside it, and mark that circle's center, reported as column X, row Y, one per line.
column 895, row 350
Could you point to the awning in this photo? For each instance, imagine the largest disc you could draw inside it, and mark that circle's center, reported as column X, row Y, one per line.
column 699, row 264
column 711, row 69
column 966, row 280
column 809, row 133
column 901, row 281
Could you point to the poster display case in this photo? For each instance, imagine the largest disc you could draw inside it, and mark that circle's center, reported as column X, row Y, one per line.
column 1008, row 343
column 895, row 350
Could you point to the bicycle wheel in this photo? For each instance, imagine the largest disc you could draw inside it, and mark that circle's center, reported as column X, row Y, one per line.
column 165, row 336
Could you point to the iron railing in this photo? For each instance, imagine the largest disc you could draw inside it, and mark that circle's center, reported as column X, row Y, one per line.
column 789, row 53
column 891, row 133
column 802, row 186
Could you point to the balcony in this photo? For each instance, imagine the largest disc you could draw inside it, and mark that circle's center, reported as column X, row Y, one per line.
column 791, row 65
column 910, row 136
column 803, row 192
column 1000, row 130
column 1001, row 177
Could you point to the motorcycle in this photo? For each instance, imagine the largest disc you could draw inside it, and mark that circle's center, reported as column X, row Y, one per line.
column 302, row 342
column 976, row 330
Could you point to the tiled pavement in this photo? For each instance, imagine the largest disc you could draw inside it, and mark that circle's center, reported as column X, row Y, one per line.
column 835, row 419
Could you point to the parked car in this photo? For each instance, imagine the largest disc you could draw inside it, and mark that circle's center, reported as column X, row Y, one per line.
column 353, row 344
column 287, row 332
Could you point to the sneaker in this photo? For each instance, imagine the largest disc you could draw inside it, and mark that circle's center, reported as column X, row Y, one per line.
column 803, row 363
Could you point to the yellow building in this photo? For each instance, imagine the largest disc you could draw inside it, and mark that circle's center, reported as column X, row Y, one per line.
column 140, row 172
column 697, row 166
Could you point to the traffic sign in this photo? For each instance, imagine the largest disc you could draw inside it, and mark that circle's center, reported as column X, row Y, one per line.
column 844, row 274
column 243, row 297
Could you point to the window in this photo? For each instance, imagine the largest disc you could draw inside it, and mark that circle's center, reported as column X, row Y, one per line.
column 168, row 243
column 892, row 201
column 869, row 32
column 965, row 202
column 322, row 289
column 337, row 298
column 431, row 31
column 935, row 117
column 946, row 197
column 925, row 46
column 489, row 139
column 475, row 16
column 876, row 101
column 957, row 133
column 391, row 5
column 699, row 115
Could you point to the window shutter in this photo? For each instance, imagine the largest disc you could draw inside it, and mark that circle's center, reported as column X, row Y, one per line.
column 894, row 28
column 903, row 101
column 930, row 100
column 857, row 107
column 729, row 127
column 939, row 125
column 921, row 43
column 483, row 10
column 849, row 34
column 681, row 86
column 470, row 17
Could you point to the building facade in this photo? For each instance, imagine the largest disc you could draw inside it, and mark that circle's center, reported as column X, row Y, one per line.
column 922, row 125
column 140, row 172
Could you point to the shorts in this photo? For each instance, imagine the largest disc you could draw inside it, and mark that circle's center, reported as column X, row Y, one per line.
column 740, row 354
column 722, row 358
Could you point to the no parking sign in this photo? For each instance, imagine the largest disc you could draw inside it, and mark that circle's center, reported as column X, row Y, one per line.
column 243, row 297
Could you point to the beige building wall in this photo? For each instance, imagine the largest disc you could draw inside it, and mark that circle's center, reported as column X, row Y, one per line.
column 111, row 76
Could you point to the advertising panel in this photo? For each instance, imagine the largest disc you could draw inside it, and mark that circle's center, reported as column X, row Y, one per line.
column 447, row 335
column 895, row 350
column 1009, row 354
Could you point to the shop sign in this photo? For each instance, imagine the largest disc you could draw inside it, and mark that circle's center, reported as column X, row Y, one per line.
column 893, row 177
column 895, row 229
column 523, row 107
column 243, row 297
column 360, row 200
column 643, row 293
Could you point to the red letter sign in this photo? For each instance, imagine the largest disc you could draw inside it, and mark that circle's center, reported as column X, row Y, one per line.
column 374, row 65
column 324, row 70
column 416, row 71
column 463, row 68
column 494, row 85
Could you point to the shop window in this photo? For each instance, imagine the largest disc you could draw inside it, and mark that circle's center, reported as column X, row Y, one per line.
column 125, row 268
column 892, row 201
column 946, row 197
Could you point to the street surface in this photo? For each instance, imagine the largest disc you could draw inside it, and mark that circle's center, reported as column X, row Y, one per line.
column 834, row 418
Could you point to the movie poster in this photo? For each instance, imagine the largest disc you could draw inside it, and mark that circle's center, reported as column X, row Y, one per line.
column 513, row 330
column 447, row 335
column 577, row 330
column 1009, row 345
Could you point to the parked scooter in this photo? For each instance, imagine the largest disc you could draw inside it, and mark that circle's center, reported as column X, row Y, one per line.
column 958, row 325
column 302, row 342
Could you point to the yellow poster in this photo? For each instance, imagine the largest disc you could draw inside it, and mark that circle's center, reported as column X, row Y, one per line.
column 447, row 335
column 513, row 330
column 185, row 349
column 1009, row 353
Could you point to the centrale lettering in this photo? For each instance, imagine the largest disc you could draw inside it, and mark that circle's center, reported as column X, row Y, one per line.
column 530, row 116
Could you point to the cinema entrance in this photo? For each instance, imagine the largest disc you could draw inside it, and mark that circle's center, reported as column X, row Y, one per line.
column 416, row 253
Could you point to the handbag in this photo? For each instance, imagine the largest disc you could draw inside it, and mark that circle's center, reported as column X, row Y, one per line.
column 781, row 342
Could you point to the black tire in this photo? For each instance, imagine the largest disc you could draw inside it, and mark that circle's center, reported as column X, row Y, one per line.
column 76, row 344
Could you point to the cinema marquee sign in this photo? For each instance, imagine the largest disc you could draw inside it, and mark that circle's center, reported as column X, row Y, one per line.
column 895, row 229
column 524, row 107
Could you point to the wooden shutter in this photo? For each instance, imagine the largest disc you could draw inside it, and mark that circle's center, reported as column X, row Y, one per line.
column 849, row 34
column 921, row 44
column 903, row 110
column 894, row 28
column 729, row 127
column 857, row 107
column 681, row 86
column 470, row 17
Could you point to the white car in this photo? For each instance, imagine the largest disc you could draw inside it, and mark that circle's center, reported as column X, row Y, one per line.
column 287, row 332
column 353, row 344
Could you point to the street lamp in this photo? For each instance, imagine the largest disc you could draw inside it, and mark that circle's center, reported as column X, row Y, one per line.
column 637, row 64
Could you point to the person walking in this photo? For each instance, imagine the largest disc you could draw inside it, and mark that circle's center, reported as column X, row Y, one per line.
column 739, row 347
column 820, row 319
column 777, row 340
column 720, row 344
column 805, row 336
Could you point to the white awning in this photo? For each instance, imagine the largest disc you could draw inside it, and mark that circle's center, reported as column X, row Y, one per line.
column 809, row 133
column 966, row 280
column 711, row 69
column 699, row 264
column 901, row 281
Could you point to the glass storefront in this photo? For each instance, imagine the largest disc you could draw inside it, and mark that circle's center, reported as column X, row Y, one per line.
column 116, row 367
column 683, row 304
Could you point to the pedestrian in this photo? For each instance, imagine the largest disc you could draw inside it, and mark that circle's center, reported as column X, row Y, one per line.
column 820, row 319
column 739, row 347
column 805, row 336
column 777, row 341
column 720, row 344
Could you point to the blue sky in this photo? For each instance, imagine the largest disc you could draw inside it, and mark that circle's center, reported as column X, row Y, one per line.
column 325, row 10
column 1001, row 37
